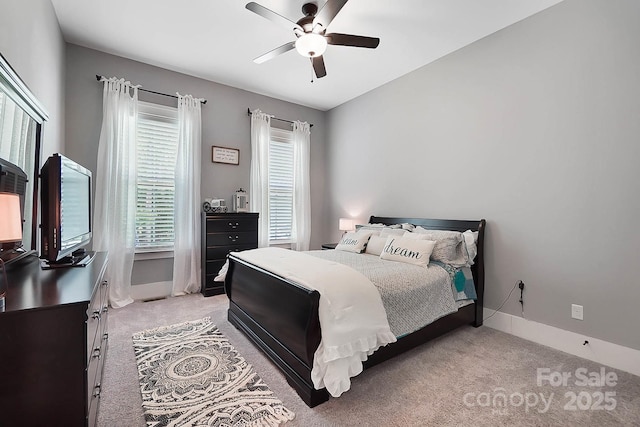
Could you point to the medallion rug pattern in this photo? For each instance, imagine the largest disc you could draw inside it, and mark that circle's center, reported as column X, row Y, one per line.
column 191, row 376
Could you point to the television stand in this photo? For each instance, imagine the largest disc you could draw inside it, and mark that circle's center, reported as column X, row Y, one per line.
column 82, row 259
column 54, row 342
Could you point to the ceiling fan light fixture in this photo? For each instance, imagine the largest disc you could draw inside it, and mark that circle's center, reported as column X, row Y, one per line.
column 311, row 45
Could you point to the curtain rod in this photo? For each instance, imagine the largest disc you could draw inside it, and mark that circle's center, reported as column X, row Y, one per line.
column 99, row 77
column 275, row 118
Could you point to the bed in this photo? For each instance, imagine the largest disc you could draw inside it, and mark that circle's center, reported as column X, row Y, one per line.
column 281, row 317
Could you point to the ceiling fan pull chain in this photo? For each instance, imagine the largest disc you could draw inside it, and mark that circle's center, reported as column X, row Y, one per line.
column 312, row 70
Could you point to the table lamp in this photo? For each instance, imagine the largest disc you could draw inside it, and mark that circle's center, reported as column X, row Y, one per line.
column 346, row 224
column 10, row 232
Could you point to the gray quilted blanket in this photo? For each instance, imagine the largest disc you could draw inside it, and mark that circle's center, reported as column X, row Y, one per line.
column 413, row 296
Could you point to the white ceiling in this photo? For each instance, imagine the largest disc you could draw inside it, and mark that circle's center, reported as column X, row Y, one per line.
column 217, row 40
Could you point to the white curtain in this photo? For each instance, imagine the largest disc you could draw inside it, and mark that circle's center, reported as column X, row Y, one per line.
column 115, row 199
column 259, row 180
column 301, row 186
column 186, row 248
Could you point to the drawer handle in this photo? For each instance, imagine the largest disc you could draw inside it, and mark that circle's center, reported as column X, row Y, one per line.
column 96, row 315
column 233, row 239
column 105, row 336
column 105, row 309
column 233, row 226
column 96, row 353
column 96, row 391
column 104, row 283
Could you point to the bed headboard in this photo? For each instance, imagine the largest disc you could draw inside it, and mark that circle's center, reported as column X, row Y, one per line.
column 456, row 225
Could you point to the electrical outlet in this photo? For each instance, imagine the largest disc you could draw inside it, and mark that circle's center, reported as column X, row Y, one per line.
column 577, row 312
column 521, row 287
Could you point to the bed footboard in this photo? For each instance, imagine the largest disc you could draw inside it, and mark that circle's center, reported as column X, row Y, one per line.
column 281, row 318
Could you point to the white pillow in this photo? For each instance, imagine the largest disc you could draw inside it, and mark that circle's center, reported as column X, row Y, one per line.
column 354, row 242
column 379, row 225
column 415, row 236
column 470, row 242
column 411, row 251
column 392, row 232
column 375, row 245
column 376, row 227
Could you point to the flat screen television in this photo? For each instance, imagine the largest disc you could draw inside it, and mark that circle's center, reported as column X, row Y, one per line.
column 65, row 198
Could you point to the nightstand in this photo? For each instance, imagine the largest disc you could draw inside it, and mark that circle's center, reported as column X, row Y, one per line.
column 327, row 246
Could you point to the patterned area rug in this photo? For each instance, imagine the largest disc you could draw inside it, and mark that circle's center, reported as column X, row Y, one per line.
column 191, row 376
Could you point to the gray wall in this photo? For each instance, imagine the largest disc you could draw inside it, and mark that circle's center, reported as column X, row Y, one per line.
column 31, row 41
column 535, row 128
column 224, row 123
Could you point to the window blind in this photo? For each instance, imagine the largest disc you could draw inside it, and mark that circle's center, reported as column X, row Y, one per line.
column 280, row 186
column 157, row 143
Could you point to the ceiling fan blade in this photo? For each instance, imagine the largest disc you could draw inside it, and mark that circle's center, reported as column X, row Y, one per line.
column 351, row 40
column 275, row 52
column 318, row 66
column 272, row 16
column 328, row 12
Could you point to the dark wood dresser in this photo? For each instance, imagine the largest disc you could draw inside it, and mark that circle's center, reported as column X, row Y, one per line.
column 223, row 233
column 53, row 340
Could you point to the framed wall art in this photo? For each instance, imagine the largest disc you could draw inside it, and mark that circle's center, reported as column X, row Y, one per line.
column 230, row 156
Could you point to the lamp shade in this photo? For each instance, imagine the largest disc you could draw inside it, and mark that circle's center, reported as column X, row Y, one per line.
column 10, row 218
column 311, row 45
column 346, row 224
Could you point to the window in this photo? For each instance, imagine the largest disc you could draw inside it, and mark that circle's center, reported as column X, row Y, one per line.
column 280, row 186
column 157, row 147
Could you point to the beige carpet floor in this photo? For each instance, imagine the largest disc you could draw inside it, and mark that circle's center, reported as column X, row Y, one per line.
column 456, row 380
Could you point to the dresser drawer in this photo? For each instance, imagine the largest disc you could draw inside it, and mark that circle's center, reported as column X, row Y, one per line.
column 104, row 293
column 213, row 267
column 92, row 412
column 93, row 322
column 217, row 253
column 94, row 370
column 104, row 312
column 231, row 224
column 233, row 238
column 97, row 318
column 211, row 287
column 93, row 367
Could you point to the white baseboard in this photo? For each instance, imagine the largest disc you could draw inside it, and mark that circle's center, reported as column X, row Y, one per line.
column 148, row 291
column 610, row 354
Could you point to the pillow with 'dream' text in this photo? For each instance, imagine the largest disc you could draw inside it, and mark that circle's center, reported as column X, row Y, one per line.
column 353, row 242
column 410, row 251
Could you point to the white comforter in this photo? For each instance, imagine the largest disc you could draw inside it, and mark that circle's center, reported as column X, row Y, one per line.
column 352, row 318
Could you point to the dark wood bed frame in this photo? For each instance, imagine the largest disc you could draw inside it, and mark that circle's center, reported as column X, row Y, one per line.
column 281, row 317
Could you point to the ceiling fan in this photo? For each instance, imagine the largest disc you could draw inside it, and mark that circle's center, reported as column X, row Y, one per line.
column 311, row 40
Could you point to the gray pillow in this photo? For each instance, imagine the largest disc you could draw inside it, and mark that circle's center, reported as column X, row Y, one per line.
column 449, row 248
